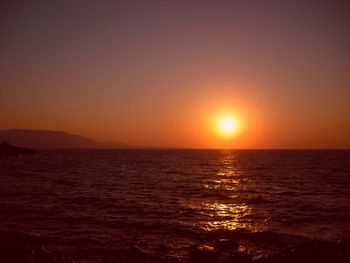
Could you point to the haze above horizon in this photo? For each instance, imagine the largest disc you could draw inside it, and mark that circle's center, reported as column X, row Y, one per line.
column 183, row 74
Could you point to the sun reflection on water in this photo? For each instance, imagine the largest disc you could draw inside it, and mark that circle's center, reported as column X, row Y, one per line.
column 226, row 211
column 225, row 216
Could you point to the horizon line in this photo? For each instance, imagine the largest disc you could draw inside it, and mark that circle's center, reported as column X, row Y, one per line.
column 193, row 148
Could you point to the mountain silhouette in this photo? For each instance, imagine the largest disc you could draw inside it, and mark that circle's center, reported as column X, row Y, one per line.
column 7, row 149
column 52, row 139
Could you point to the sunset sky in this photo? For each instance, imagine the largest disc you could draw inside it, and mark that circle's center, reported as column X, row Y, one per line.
column 163, row 73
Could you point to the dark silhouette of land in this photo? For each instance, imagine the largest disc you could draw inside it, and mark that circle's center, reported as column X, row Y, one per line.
column 52, row 139
column 21, row 247
column 7, row 149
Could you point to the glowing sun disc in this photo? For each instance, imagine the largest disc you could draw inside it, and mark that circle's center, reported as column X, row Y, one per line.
column 227, row 125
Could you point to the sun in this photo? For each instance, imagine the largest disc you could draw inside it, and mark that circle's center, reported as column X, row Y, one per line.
column 227, row 125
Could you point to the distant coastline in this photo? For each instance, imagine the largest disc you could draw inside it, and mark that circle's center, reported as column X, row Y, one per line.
column 8, row 149
column 46, row 139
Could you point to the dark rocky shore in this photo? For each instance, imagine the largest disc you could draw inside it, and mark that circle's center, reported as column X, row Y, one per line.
column 19, row 247
column 228, row 251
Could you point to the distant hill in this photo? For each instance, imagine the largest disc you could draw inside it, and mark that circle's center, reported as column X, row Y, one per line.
column 8, row 149
column 52, row 139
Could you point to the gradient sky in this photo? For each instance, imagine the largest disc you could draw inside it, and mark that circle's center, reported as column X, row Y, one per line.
column 155, row 73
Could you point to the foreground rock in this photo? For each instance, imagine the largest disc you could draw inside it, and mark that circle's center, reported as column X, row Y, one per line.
column 32, row 248
column 7, row 149
column 22, row 248
column 313, row 251
column 135, row 255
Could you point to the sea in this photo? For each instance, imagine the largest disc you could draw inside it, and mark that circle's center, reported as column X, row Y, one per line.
column 157, row 205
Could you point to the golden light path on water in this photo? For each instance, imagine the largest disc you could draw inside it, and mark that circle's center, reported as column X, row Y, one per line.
column 229, row 216
column 226, row 212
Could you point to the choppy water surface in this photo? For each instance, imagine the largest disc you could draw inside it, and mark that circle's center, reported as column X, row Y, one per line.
column 85, row 203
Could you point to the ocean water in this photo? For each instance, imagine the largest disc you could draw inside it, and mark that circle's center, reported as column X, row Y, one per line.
column 86, row 204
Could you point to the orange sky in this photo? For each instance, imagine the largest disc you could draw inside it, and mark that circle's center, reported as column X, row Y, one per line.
column 157, row 73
